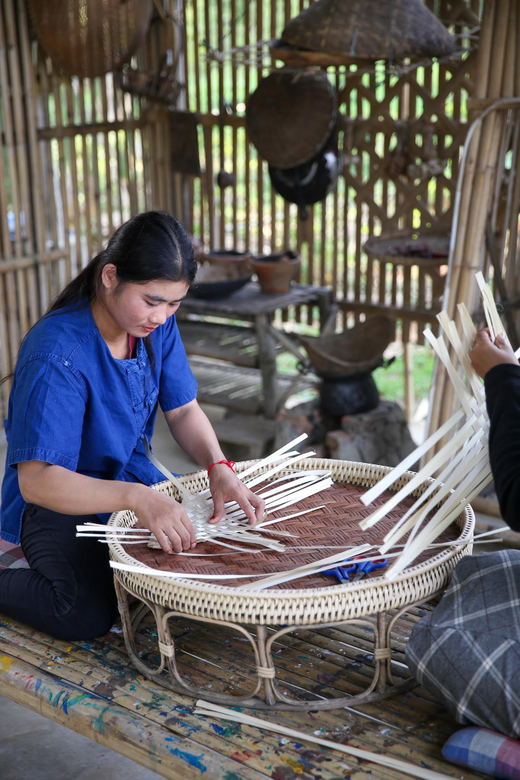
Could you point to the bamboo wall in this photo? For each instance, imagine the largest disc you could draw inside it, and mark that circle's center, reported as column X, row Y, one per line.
column 80, row 156
column 429, row 102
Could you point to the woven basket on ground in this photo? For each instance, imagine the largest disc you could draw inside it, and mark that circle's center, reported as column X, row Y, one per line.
column 90, row 39
column 291, row 115
column 370, row 29
column 355, row 350
column 311, row 601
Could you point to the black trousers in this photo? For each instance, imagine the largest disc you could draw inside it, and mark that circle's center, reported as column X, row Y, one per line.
column 68, row 592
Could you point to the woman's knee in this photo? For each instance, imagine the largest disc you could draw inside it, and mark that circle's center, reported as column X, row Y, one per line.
column 87, row 621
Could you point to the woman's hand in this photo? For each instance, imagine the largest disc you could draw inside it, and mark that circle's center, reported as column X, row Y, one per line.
column 226, row 486
column 62, row 490
column 166, row 519
column 486, row 353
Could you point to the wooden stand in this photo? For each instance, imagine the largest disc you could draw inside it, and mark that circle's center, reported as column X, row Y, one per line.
column 266, row 692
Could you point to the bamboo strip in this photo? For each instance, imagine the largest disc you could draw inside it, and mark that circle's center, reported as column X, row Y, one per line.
column 409, row 461
column 415, row 521
column 465, row 457
column 141, row 569
column 310, row 568
column 199, row 510
column 215, row 711
column 447, row 479
column 426, row 472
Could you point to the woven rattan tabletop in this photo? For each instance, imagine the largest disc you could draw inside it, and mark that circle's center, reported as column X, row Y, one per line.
column 335, row 523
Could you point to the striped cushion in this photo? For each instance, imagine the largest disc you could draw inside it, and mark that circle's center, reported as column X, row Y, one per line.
column 484, row 751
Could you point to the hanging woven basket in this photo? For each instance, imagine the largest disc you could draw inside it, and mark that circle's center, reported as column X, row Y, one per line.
column 88, row 39
column 371, row 29
column 290, row 116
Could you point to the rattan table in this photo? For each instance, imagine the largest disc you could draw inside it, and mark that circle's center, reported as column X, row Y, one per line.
column 263, row 616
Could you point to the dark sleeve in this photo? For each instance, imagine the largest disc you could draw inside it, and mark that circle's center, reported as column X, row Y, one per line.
column 502, row 384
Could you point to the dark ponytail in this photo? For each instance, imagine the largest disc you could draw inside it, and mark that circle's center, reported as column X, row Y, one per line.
column 150, row 246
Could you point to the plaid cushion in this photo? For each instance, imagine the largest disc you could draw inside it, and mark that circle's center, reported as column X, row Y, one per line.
column 467, row 651
column 484, row 751
column 11, row 556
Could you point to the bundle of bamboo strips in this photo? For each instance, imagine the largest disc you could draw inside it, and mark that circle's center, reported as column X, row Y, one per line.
column 287, row 490
column 481, row 175
column 463, row 461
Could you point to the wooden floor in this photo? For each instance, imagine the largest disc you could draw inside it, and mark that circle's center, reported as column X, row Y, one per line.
column 158, row 728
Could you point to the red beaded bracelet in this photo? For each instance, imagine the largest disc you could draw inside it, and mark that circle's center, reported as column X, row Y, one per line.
column 230, row 463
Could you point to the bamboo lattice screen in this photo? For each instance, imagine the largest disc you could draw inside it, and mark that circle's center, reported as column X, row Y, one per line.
column 428, row 102
column 80, row 156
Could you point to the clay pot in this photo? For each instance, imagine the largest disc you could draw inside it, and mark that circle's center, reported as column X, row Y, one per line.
column 276, row 272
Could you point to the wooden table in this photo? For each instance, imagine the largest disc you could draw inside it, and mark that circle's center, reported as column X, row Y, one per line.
column 251, row 305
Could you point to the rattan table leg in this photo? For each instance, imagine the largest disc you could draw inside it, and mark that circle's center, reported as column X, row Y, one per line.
column 382, row 653
column 382, row 685
column 266, row 671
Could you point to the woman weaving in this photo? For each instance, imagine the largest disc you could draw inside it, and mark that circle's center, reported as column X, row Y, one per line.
column 467, row 651
column 88, row 380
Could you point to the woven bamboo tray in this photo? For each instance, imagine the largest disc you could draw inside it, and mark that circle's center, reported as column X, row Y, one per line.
column 320, row 603
column 337, row 524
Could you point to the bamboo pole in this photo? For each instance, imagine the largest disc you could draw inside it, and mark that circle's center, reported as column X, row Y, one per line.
column 85, row 167
column 108, row 175
column 11, row 39
column 62, row 168
column 9, row 143
column 466, row 251
column 247, row 145
column 46, row 275
column 76, row 260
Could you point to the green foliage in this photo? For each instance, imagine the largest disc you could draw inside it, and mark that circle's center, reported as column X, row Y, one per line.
column 390, row 380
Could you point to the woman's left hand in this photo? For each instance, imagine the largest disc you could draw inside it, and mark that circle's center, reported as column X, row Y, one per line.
column 226, row 486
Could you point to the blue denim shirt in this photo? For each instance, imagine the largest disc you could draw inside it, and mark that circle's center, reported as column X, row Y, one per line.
column 73, row 405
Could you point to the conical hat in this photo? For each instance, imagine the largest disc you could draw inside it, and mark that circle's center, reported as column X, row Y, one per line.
column 371, row 29
column 290, row 116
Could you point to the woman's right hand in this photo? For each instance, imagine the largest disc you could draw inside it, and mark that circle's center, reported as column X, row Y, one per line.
column 486, row 354
column 166, row 519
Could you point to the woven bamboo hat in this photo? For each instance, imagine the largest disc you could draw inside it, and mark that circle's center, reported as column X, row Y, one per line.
column 90, row 39
column 370, row 29
column 290, row 116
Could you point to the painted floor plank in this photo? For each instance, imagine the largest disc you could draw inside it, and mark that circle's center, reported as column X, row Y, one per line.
column 409, row 726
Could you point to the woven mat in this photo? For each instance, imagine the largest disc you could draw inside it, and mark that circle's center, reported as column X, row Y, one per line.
column 336, row 524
